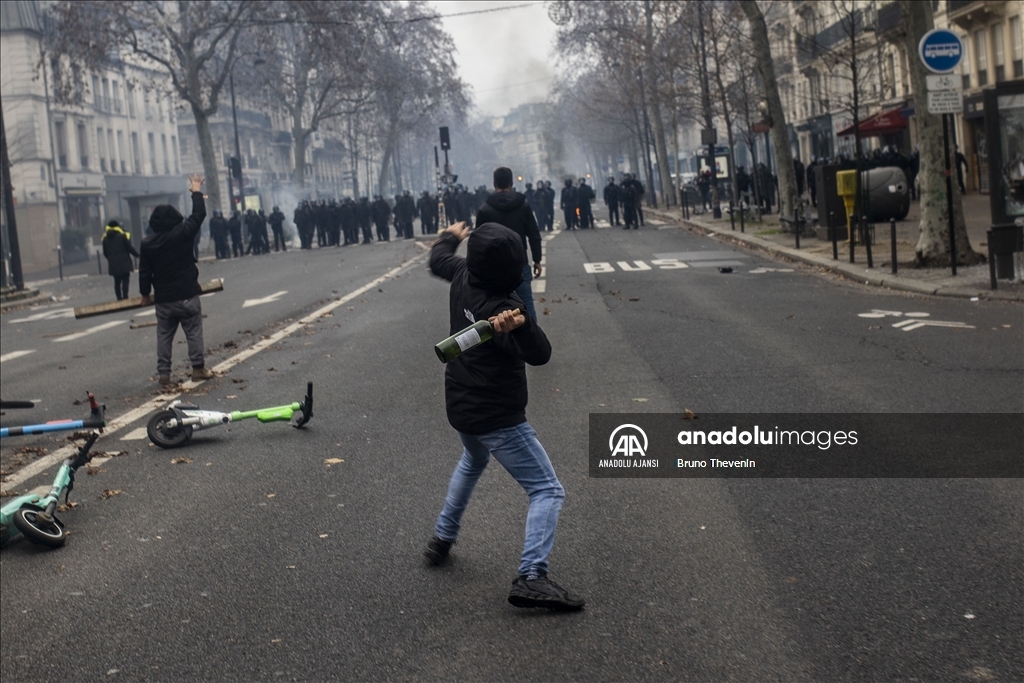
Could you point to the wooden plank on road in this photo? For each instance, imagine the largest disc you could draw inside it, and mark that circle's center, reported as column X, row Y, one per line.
column 135, row 302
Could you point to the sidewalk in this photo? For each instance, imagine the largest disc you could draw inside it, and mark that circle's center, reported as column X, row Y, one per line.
column 970, row 281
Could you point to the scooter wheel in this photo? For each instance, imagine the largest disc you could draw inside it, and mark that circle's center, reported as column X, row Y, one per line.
column 164, row 436
column 50, row 534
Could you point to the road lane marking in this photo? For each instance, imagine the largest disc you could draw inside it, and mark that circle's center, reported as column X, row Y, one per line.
column 15, row 354
column 539, row 286
column 312, row 317
column 47, row 315
column 52, row 459
column 162, row 400
column 135, row 434
column 91, row 330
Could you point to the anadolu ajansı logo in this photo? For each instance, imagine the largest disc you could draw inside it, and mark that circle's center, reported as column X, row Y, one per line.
column 628, row 443
column 628, row 446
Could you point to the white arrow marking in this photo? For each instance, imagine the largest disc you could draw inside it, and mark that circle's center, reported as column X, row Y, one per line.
column 14, row 354
column 91, row 330
column 875, row 313
column 908, row 325
column 264, row 300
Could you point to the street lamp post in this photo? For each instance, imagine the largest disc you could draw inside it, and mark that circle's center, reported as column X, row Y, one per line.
column 238, row 148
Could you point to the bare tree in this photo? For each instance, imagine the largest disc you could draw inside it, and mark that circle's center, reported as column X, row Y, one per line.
column 413, row 77
column 315, row 65
column 195, row 42
column 780, row 139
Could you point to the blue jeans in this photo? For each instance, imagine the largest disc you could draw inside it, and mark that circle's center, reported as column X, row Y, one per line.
column 525, row 291
column 519, row 452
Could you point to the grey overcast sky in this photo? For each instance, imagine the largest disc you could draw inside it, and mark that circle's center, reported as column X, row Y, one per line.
column 505, row 56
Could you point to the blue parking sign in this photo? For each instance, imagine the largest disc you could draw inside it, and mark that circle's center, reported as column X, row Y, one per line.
column 940, row 50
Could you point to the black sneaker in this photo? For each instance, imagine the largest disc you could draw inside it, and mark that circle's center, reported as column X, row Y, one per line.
column 540, row 591
column 437, row 550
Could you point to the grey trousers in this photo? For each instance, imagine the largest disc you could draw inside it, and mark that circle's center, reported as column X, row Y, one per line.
column 187, row 313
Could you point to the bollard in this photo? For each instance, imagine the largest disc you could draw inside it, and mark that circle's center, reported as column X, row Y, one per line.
column 796, row 229
column 835, row 241
column 60, row 263
column 732, row 216
column 743, row 210
column 686, row 206
column 892, row 238
column 99, row 263
column 866, row 236
column 852, row 234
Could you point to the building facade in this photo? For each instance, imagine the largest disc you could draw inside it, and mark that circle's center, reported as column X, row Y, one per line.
column 111, row 152
column 825, row 50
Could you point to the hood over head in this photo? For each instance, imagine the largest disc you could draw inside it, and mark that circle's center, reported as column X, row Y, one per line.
column 495, row 258
column 506, row 202
column 165, row 217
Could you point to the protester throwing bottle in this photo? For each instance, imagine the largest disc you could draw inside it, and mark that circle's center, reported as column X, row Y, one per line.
column 486, row 396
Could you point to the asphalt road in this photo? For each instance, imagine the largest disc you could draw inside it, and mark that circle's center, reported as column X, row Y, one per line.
column 258, row 560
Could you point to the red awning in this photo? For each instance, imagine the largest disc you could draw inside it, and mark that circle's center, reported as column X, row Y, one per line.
column 884, row 122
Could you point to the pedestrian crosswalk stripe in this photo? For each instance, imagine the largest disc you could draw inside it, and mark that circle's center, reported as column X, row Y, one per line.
column 539, row 286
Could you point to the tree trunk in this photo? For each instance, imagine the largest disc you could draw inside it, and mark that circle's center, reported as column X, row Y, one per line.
column 385, row 162
column 783, row 152
column 634, row 160
column 210, row 167
column 299, row 148
column 396, row 166
column 932, row 248
column 661, row 152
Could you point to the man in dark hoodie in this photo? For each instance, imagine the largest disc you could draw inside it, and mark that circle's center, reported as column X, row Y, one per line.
column 486, row 396
column 168, row 267
column 507, row 207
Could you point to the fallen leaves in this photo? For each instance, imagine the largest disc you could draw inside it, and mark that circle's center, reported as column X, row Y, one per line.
column 689, row 415
column 110, row 493
column 634, row 298
column 641, row 400
column 181, row 461
column 271, row 495
column 333, row 461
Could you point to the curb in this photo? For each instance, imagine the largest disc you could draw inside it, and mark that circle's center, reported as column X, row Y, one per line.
column 849, row 271
column 22, row 299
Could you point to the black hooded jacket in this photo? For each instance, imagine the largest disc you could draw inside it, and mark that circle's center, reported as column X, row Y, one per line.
column 511, row 210
column 485, row 387
column 167, row 262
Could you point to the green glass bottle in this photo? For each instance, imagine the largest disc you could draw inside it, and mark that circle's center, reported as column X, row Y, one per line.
column 463, row 340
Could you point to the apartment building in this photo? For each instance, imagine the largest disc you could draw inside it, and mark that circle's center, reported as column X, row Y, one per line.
column 823, row 49
column 110, row 153
column 520, row 141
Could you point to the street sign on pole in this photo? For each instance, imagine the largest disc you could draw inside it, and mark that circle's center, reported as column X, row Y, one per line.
column 940, row 50
column 945, row 101
column 944, row 82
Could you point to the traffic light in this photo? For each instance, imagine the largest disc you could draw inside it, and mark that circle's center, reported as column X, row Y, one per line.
column 236, row 168
column 446, row 142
